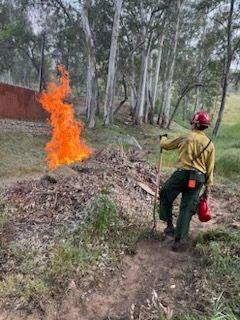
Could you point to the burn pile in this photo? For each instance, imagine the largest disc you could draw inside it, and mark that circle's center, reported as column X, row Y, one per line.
column 64, row 198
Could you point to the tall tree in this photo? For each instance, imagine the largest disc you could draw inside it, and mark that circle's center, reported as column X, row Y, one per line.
column 109, row 97
column 170, row 69
column 151, row 16
column 227, row 65
column 158, row 66
column 92, row 88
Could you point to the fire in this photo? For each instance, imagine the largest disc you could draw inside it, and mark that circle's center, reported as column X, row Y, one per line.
column 66, row 145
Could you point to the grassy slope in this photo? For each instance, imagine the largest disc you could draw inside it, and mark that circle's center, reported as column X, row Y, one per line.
column 22, row 154
column 227, row 143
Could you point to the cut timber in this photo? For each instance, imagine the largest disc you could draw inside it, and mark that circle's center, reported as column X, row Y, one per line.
column 146, row 188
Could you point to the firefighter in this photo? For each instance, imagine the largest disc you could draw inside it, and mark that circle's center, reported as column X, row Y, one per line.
column 194, row 170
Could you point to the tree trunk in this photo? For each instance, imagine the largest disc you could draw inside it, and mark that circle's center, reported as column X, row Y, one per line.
column 133, row 89
column 228, row 61
column 197, row 100
column 159, row 59
column 149, row 114
column 92, row 92
column 167, row 100
column 147, row 104
column 108, row 108
column 164, row 83
column 142, row 85
column 125, row 97
column 141, row 89
column 40, row 81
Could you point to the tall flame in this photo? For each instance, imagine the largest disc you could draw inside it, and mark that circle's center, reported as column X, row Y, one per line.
column 66, row 145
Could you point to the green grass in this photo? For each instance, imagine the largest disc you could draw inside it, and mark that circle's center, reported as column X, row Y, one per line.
column 217, row 314
column 21, row 154
column 104, row 216
column 232, row 110
column 227, row 142
column 220, row 265
column 228, row 152
column 70, row 262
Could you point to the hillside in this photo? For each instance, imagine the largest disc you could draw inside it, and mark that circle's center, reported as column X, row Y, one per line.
column 76, row 243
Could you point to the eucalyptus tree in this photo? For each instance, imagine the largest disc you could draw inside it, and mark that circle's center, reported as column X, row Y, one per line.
column 92, row 88
column 165, row 112
column 144, row 19
column 231, row 26
column 109, row 96
column 17, row 36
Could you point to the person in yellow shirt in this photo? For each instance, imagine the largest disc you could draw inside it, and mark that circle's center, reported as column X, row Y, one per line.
column 195, row 169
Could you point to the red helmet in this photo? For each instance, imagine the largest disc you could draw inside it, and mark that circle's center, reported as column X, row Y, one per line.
column 201, row 118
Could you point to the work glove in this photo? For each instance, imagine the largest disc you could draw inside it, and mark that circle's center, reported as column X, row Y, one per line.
column 206, row 193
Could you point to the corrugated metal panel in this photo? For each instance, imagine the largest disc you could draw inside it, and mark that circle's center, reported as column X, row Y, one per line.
column 20, row 103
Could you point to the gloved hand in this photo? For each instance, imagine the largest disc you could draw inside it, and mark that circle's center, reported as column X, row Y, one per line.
column 206, row 193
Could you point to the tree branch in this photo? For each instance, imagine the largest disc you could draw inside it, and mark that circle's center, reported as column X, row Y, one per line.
column 184, row 92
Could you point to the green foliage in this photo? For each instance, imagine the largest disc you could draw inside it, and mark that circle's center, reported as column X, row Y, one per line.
column 104, row 216
column 217, row 314
column 69, row 262
column 31, row 290
column 25, row 280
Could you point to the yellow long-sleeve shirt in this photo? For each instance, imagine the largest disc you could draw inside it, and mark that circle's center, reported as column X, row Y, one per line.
column 189, row 146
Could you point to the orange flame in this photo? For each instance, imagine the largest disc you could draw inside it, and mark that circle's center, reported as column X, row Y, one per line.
column 66, row 145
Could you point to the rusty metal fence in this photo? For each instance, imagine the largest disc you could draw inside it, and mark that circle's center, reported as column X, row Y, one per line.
column 20, row 104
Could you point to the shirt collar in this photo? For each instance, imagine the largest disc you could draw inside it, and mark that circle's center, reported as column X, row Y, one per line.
column 199, row 132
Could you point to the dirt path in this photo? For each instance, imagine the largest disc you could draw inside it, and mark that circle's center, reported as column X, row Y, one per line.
column 154, row 267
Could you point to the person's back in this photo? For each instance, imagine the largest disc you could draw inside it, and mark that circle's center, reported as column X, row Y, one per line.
column 195, row 168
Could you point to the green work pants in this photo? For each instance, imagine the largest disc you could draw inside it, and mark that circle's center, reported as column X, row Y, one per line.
column 176, row 184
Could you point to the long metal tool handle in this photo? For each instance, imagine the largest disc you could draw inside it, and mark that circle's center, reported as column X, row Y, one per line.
column 159, row 169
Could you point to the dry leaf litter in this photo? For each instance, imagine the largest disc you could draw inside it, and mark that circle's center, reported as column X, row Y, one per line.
column 63, row 198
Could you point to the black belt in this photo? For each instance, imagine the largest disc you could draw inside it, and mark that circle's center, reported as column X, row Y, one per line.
column 192, row 170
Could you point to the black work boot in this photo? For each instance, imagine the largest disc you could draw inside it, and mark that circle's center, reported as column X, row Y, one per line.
column 169, row 231
column 179, row 245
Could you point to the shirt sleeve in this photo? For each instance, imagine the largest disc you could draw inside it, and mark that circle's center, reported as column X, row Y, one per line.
column 171, row 144
column 210, row 168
